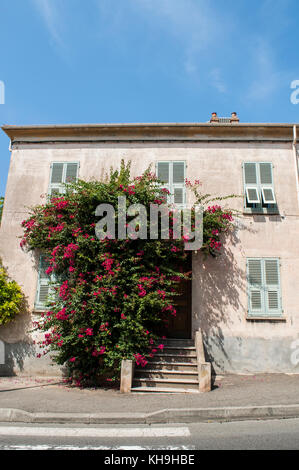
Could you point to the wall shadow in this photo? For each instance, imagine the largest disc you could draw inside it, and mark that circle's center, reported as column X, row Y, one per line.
column 18, row 343
column 220, row 285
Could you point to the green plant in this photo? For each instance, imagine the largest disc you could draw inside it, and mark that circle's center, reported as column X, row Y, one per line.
column 115, row 296
column 11, row 298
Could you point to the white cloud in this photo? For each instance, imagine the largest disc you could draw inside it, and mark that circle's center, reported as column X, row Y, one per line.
column 49, row 12
column 196, row 27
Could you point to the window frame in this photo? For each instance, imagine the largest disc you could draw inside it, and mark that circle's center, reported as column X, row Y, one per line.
column 264, row 312
column 258, row 208
column 61, row 186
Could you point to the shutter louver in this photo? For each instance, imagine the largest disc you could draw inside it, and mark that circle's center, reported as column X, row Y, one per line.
column 250, row 173
column 273, row 300
column 266, row 173
column 71, row 172
column 256, row 300
column 163, row 172
column 43, row 288
column 57, row 173
column 255, row 272
column 272, row 284
column 178, row 172
column 43, row 294
column 255, row 282
column 272, row 276
column 178, row 196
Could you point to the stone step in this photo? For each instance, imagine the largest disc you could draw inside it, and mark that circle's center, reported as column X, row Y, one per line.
column 173, row 358
column 163, row 390
column 175, row 366
column 166, row 383
column 166, row 374
column 177, row 342
column 177, row 351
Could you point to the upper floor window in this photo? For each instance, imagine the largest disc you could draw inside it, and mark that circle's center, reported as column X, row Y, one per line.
column 259, row 194
column 173, row 174
column 62, row 173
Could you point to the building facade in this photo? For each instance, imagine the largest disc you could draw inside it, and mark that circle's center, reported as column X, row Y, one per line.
column 246, row 301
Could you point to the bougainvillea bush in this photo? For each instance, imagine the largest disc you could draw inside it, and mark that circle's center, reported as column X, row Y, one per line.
column 113, row 298
column 11, row 297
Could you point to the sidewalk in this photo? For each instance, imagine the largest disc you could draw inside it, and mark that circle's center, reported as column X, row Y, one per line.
column 232, row 397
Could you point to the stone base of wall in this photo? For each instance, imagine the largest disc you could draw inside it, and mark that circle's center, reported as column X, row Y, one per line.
column 227, row 355
column 20, row 359
column 252, row 355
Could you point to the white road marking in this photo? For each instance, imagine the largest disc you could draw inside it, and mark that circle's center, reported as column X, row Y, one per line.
column 94, row 432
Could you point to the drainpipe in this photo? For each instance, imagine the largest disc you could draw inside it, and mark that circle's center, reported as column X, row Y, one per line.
column 296, row 159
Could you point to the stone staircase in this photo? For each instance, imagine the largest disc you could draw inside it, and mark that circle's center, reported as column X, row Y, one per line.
column 173, row 370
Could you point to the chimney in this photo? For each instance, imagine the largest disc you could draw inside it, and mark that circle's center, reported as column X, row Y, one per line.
column 234, row 118
column 214, row 118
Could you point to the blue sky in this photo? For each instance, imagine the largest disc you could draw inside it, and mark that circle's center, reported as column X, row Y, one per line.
column 72, row 61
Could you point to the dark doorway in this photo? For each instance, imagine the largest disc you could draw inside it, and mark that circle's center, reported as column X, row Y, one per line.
column 180, row 325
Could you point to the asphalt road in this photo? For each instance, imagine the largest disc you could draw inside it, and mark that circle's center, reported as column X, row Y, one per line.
column 243, row 435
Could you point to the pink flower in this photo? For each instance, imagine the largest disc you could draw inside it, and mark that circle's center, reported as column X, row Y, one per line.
column 72, row 359
column 161, row 346
column 89, row 331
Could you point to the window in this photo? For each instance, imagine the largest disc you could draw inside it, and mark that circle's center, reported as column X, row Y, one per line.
column 173, row 176
column 264, row 292
column 43, row 284
column 62, row 173
column 259, row 192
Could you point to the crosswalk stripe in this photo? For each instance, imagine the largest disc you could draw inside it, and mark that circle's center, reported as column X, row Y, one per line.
column 94, row 432
column 66, row 447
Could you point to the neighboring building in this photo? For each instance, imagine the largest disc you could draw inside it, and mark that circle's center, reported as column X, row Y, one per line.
column 247, row 300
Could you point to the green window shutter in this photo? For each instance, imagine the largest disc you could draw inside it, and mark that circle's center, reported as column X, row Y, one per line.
column 71, row 172
column 43, row 287
column 266, row 173
column 251, row 184
column 178, row 196
column 255, row 286
column 163, row 172
column 266, row 182
column 178, row 183
column 272, row 286
column 56, row 173
column 250, row 174
column 178, row 172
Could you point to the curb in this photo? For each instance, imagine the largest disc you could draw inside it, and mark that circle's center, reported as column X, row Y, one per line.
column 175, row 415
